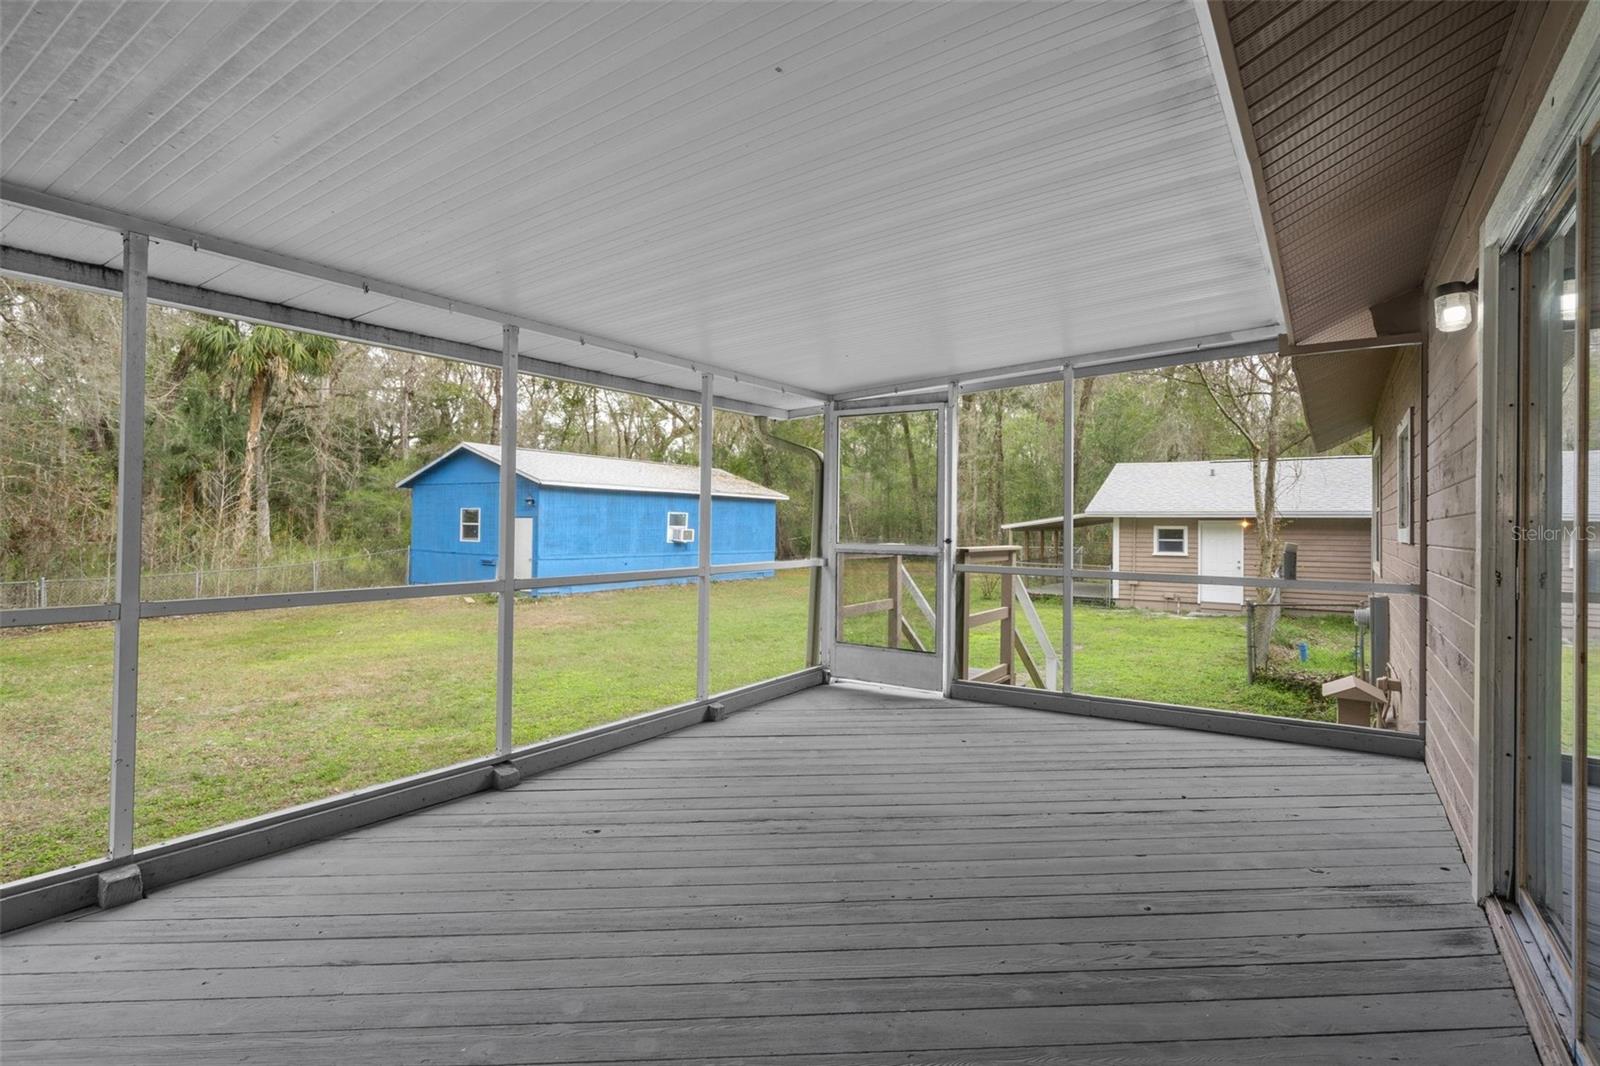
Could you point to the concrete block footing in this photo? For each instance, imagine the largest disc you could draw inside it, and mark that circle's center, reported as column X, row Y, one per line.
column 122, row 885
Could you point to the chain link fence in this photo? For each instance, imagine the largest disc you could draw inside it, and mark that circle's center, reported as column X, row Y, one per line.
column 366, row 570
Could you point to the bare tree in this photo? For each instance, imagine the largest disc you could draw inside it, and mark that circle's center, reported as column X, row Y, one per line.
column 1256, row 396
column 997, row 413
column 1080, row 419
column 407, row 399
column 911, row 455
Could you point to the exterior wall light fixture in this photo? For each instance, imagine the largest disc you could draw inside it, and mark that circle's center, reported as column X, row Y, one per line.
column 1453, row 305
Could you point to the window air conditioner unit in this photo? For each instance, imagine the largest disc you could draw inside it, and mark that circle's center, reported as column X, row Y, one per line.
column 680, row 535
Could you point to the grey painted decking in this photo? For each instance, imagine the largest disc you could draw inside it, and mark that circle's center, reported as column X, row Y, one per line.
column 840, row 877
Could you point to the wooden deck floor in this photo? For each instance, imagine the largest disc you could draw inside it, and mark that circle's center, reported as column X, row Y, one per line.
column 839, row 877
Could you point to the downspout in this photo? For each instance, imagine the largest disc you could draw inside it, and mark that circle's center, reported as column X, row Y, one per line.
column 764, row 427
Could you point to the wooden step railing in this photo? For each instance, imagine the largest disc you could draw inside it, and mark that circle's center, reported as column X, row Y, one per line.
column 1013, row 597
column 900, row 587
column 1015, row 600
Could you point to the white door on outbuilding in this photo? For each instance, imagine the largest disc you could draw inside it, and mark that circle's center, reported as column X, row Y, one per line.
column 524, row 566
column 1221, row 555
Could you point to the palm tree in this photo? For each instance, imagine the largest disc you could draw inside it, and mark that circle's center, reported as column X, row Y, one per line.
column 256, row 357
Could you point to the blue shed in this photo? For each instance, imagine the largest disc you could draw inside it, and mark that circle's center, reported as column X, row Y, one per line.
column 580, row 514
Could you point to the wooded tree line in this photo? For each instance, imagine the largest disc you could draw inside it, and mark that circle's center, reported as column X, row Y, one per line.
column 263, row 444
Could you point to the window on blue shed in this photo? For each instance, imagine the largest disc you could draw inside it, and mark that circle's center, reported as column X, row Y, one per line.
column 471, row 525
column 678, row 531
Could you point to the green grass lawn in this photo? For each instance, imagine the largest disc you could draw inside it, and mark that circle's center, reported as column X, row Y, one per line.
column 1200, row 661
column 241, row 714
column 1565, row 686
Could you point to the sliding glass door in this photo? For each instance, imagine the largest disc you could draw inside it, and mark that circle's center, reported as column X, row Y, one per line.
column 1558, row 596
column 1586, row 503
column 1550, row 429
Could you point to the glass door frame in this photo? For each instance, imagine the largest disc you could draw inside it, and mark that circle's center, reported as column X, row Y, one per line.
column 1568, row 976
column 890, row 666
column 1563, row 961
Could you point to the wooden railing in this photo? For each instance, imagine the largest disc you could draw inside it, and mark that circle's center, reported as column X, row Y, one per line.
column 1014, row 597
column 900, row 587
column 902, row 595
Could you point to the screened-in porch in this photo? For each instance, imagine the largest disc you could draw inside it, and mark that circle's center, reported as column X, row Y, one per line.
column 799, row 533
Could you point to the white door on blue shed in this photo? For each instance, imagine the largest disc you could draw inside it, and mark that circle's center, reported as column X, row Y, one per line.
column 1221, row 555
column 524, row 547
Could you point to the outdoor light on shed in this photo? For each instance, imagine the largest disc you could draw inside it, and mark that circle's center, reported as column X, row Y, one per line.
column 1452, row 306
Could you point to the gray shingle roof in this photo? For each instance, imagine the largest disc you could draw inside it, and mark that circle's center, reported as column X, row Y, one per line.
column 1323, row 487
column 572, row 470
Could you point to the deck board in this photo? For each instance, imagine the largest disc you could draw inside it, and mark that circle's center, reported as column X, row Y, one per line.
column 841, row 876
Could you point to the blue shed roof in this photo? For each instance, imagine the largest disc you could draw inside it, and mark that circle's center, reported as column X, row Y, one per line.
column 573, row 470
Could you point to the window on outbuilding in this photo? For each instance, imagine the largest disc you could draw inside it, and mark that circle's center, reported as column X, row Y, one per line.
column 1171, row 540
column 471, row 525
column 678, row 531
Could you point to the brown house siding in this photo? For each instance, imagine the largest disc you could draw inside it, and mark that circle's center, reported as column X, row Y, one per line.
column 1450, row 565
column 1138, row 553
column 1330, row 549
column 1399, row 562
column 1449, row 577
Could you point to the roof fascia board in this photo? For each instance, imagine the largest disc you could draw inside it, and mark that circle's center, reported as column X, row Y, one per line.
column 405, row 482
column 88, row 276
column 493, row 456
column 56, row 205
column 1048, row 523
column 721, row 494
column 1296, row 515
column 1235, row 345
column 1230, row 92
column 1367, row 344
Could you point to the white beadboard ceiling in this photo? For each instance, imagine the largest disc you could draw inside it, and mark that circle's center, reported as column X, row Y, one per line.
column 829, row 195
